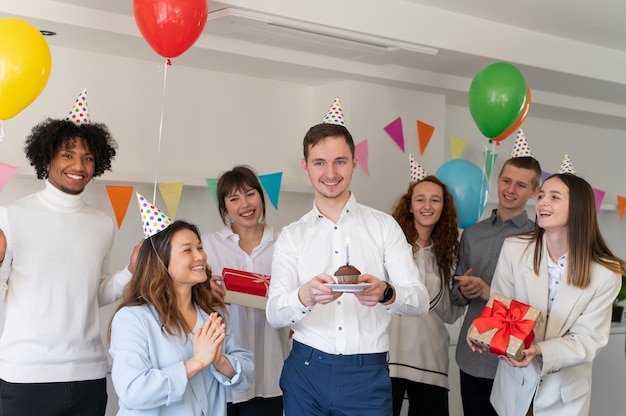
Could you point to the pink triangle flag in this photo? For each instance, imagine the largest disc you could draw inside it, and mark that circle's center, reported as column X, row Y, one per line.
column 394, row 130
column 599, row 196
column 6, row 172
column 361, row 151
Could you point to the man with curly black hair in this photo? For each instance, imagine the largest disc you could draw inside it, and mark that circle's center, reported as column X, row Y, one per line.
column 54, row 251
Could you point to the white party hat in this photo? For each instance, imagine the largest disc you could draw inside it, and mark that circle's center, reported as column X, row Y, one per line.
column 152, row 219
column 520, row 147
column 567, row 166
column 417, row 171
column 335, row 114
column 79, row 113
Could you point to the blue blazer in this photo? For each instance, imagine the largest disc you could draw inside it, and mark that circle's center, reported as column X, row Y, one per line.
column 149, row 374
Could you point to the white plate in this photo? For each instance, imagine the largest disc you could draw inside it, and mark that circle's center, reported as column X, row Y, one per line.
column 336, row 287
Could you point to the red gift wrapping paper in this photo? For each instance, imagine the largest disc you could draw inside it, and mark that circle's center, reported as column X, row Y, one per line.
column 505, row 326
column 246, row 282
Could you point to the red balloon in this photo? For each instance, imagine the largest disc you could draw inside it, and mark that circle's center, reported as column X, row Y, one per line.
column 171, row 26
column 518, row 122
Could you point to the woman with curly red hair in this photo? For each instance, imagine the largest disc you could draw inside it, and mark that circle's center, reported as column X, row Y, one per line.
column 418, row 357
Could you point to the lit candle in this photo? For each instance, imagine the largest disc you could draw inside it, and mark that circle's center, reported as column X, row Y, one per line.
column 348, row 250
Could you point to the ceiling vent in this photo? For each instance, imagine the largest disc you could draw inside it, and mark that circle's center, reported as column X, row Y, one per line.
column 312, row 38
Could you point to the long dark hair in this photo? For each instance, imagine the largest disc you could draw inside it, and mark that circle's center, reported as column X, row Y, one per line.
column 584, row 239
column 152, row 284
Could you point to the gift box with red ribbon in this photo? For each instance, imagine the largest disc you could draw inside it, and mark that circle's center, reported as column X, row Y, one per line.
column 505, row 326
column 246, row 288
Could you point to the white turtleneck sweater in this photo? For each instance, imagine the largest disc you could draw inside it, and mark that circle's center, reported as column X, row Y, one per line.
column 53, row 280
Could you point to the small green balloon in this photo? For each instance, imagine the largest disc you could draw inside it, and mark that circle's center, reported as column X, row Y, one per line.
column 497, row 97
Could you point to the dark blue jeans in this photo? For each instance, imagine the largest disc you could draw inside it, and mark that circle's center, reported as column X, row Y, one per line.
column 315, row 383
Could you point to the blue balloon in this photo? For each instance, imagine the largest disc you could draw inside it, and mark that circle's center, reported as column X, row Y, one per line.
column 469, row 188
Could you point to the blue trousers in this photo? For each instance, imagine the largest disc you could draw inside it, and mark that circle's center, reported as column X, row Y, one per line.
column 315, row 383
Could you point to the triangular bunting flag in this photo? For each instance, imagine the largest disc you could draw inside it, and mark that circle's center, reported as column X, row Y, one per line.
column 119, row 197
column 171, row 193
column 6, row 172
column 457, row 145
column 424, row 133
column 271, row 184
column 621, row 206
column 545, row 175
column 394, row 130
column 212, row 184
column 599, row 194
column 490, row 160
column 361, row 151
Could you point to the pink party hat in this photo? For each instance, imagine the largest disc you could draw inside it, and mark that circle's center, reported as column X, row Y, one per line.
column 417, row 171
column 335, row 114
column 79, row 113
column 520, row 147
column 567, row 166
column 152, row 219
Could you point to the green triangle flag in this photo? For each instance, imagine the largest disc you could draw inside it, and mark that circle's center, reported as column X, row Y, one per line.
column 271, row 184
column 490, row 160
column 212, row 183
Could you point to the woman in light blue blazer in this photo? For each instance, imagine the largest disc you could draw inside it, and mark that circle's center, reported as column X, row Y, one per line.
column 172, row 352
column 565, row 269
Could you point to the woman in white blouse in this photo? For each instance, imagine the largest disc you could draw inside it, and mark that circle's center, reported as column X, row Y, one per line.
column 247, row 243
column 418, row 355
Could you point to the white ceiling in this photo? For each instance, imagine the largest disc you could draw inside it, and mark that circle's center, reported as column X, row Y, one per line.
column 572, row 52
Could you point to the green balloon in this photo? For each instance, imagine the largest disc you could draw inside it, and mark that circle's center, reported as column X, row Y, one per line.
column 497, row 97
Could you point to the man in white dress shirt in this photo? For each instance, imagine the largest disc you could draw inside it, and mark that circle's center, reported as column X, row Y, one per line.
column 338, row 364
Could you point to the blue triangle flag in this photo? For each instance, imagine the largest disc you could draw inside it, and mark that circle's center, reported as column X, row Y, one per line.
column 271, row 184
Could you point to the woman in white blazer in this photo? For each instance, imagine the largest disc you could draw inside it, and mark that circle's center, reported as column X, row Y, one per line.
column 565, row 269
column 172, row 352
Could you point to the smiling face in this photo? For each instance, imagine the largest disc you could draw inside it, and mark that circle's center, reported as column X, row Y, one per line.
column 515, row 188
column 72, row 167
column 244, row 207
column 552, row 206
column 330, row 165
column 187, row 262
column 427, row 204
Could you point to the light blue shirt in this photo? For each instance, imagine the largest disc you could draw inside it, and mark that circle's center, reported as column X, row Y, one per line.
column 149, row 372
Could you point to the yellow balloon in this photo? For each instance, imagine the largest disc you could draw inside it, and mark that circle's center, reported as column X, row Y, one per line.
column 25, row 62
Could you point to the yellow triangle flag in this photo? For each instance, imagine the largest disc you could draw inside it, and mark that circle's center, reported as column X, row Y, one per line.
column 457, row 145
column 119, row 197
column 171, row 193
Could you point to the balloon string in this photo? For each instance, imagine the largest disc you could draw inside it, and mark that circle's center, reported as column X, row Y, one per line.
column 1, row 132
column 489, row 152
column 156, row 169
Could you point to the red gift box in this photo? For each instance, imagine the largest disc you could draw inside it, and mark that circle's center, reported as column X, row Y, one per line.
column 505, row 326
column 246, row 282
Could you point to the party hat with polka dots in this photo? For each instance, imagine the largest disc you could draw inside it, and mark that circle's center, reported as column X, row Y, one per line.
column 152, row 219
column 335, row 114
column 520, row 147
column 417, row 171
column 79, row 113
column 567, row 166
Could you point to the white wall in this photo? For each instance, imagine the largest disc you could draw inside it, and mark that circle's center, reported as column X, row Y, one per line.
column 214, row 120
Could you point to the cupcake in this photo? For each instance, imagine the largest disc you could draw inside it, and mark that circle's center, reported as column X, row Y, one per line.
column 347, row 275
